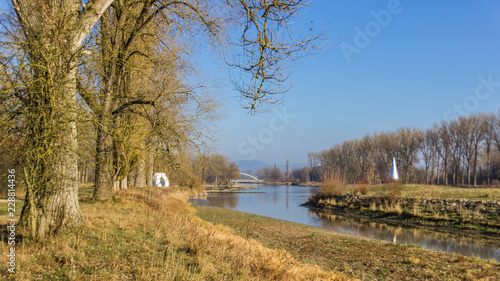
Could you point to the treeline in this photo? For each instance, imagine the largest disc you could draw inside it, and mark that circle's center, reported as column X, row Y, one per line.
column 272, row 174
column 275, row 174
column 215, row 169
column 464, row 151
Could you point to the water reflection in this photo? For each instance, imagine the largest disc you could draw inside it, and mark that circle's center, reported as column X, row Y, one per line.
column 283, row 202
column 426, row 238
column 225, row 200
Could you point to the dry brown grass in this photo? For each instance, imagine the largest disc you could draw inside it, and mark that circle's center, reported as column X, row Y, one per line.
column 329, row 188
column 358, row 189
column 357, row 257
column 438, row 191
column 394, row 190
column 151, row 234
column 245, row 255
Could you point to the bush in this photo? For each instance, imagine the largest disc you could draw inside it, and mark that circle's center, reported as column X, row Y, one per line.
column 360, row 189
column 332, row 187
column 329, row 188
column 394, row 188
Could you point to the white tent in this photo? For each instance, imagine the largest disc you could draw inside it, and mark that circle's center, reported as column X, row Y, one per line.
column 160, row 179
column 393, row 174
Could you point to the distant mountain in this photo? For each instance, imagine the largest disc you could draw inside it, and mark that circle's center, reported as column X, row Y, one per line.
column 298, row 165
column 292, row 166
column 253, row 165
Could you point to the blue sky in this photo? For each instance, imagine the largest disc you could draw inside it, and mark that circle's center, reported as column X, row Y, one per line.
column 430, row 61
column 426, row 62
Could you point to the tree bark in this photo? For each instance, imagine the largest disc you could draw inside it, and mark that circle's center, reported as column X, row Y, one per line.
column 140, row 180
column 104, row 165
column 53, row 202
column 104, row 185
column 123, row 183
column 149, row 168
column 53, row 33
column 488, row 161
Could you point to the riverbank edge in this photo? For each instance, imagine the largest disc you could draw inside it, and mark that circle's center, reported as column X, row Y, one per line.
column 356, row 256
column 227, row 188
column 152, row 234
column 441, row 214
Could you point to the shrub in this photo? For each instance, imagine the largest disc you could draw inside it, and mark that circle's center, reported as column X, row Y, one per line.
column 329, row 188
column 394, row 189
column 332, row 187
column 362, row 189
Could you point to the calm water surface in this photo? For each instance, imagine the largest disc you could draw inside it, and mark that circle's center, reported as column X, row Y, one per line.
column 283, row 202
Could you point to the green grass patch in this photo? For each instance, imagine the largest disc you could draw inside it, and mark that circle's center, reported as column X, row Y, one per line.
column 358, row 257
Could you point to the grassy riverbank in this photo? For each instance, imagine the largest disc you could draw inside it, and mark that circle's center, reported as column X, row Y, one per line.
column 437, row 191
column 357, row 257
column 438, row 206
column 152, row 234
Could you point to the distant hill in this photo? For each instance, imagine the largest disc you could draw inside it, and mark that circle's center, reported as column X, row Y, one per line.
column 255, row 165
column 292, row 166
column 296, row 166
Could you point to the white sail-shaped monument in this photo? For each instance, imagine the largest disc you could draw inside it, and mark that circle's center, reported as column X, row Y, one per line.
column 161, row 180
column 393, row 174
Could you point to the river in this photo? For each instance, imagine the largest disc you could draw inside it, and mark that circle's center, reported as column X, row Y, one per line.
column 283, row 202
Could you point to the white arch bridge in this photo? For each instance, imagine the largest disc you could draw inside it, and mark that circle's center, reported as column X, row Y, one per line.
column 250, row 179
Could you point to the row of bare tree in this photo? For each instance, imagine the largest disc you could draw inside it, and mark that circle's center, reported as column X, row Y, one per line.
column 214, row 169
column 464, row 151
column 271, row 174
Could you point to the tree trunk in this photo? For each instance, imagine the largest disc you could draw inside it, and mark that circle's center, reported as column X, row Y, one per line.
column 445, row 174
column 104, row 165
column 140, row 180
column 475, row 165
column 431, row 179
column 426, row 174
column 488, row 162
column 52, row 179
column 468, row 172
column 53, row 34
column 123, row 183
column 116, row 186
column 104, row 182
column 149, row 168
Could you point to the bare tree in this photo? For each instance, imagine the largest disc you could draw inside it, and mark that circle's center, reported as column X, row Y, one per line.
column 451, row 150
column 479, row 130
column 427, row 151
column 276, row 174
column 269, row 45
column 432, row 136
column 495, row 129
column 131, row 29
column 314, row 160
column 366, row 154
column 53, row 33
column 301, row 174
column 489, row 138
column 409, row 143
